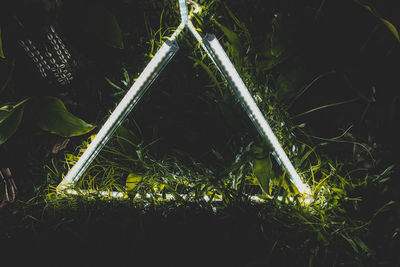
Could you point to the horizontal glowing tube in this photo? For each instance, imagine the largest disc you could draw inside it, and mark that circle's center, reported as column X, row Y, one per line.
column 218, row 55
column 146, row 78
column 124, row 195
column 108, row 194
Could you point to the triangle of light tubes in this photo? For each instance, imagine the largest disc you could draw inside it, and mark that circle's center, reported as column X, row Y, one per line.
column 215, row 51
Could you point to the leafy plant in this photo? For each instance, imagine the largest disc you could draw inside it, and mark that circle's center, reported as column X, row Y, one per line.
column 10, row 118
column 48, row 113
column 51, row 115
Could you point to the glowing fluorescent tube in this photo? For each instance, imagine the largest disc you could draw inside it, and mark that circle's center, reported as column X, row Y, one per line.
column 184, row 20
column 184, row 12
column 146, row 78
column 107, row 194
column 218, row 55
column 167, row 197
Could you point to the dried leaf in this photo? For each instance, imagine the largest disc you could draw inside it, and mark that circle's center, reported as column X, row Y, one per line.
column 8, row 189
column 60, row 146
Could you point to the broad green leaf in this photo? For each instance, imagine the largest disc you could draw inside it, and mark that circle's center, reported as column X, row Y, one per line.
column 51, row 115
column 387, row 23
column 1, row 46
column 262, row 169
column 103, row 25
column 10, row 118
column 132, row 181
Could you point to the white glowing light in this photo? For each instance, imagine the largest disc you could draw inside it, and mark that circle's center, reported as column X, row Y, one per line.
column 184, row 20
column 146, row 78
column 226, row 67
column 106, row 194
column 213, row 48
column 164, row 197
column 184, row 12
